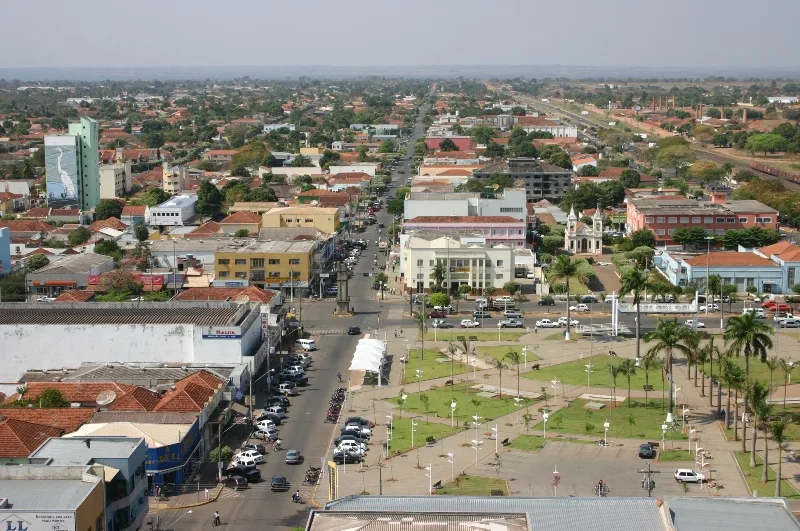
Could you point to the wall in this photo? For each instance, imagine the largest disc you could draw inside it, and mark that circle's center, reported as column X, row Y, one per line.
column 415, row 208
column 5, row 251
column 92, row 509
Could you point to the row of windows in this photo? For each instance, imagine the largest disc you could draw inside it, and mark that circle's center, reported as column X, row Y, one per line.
column 462, row 263
column 696, row 220
column 165, row 214
column 661, row 232
column 499, row 276
column 506, row 210
column 256, row 262
column 255, row 275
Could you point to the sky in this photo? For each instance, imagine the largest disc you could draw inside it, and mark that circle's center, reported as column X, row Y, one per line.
column 205, row 33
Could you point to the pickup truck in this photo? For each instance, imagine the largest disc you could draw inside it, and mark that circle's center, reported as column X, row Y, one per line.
column 562, row 321
column 780, row 317
column 546, row 323
column 510, row 323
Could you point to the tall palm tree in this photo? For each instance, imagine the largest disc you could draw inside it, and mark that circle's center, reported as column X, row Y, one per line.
column 764, row 411
column 499, row 365
column 438, row 274
column 786, row 369
column 756, row 399
column 564, row 268
column 723, row 358
column 670, row 337
column 778, row 430
column 649, row 363
column 514, row 357
column 772, row 364
column 693, row 340
column 419, row 319
column 616, row 371
column 711, row 351
column 628, row 369
column 736, row 381
column 635, row 281
column 713, row 287
column 701, row 358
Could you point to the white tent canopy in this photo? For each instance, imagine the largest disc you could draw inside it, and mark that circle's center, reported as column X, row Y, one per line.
column 369, row 356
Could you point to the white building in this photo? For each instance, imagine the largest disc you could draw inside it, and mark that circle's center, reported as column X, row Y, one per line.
column 369, row 169
column 511, row 202
column 275, row 127
column 474, row 264
column 176, row 211
column 580, row 237
column 115, row 180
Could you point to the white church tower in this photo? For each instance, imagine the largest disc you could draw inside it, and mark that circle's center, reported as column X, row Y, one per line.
column 579, row 238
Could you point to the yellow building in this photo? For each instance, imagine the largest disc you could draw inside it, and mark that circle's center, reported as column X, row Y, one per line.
column 284, row 265
column 324, row 219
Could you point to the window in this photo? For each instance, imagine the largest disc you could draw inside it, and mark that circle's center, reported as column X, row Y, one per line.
column 673, row 219
column 223, row 274
column 709, row 231
column 420, row 276
column 720, row 220
column 696, row 220
column 763, row 220
column 273, row 261
column 660, row 219
column 499, row 276
column 274, row 274
column 257, row 275
column 648, row 220
column 309, row 220
column 240, row 261
column 685, row 220
column 240, row 274
column 720, row 231
column 499, row 263
column 488, row 263
column 708, row 220
column 295, row 274
column 256, row 262
column 294, row 261
column 742, row 220
column 223, row 261
column 671, row 232
column 660, row 232
column 506, row 210
column 731, row 220
column 431, row 262
column 419, row 263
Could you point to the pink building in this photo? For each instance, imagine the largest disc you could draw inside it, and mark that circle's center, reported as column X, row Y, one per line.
column 495, row 229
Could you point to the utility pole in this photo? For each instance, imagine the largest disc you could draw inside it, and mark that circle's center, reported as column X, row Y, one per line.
column 647, row 481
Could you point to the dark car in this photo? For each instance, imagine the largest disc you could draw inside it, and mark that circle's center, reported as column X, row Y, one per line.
column 437, row 314
column 235, row 482
column 297, row 379
column 359, row 420
column 354, row 331
column 546, row 302
column 251, row 474
column 279, row 483
column 477, row 314
column 271, row 416
column 279, row 401
column 646, row 451
column 341, row 457
column 380, row 225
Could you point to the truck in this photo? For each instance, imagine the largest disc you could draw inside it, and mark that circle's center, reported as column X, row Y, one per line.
column 382, row 246
column 546, row 323
column 510, row 323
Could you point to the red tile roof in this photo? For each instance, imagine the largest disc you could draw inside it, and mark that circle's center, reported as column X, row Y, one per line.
column 71, row 212
column 786, row 251
column 140, row 399
column 108, row 223
column 75, row 295
column 19, row 438
column 730, row 258
column 42, row 212
column 67, row 419
column 191, row 393
column 83, row 392
column 5, row 196
column 248, row 294
column 243, row 216
column 206, row 229
column 134, row 210
column 221, row 152
column 455, row 172
column 22, row 225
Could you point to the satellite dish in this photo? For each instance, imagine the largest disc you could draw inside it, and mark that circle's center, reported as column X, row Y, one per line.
column 106, row 397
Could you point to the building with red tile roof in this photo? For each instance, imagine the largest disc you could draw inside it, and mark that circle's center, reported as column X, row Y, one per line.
column 19, row 438
column 206, row 230
column 37, row 213
column 85, row 393
column 75, row 295
column 248, row 294
column 784, row 251
column 108, row 223
column 65, row 419
column 191, row 394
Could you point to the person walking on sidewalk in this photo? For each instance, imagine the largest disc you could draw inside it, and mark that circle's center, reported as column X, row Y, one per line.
column 215, row 520
column 339, row 375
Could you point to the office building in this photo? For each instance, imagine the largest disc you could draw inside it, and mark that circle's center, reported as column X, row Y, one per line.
column 509, row 202
column 72, row 167
column 541, row 180
column 284, row 265
column 175, row 211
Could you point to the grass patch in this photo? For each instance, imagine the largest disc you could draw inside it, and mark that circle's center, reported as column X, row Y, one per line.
column 675, row 455
column 753, row 478
column 534, row 443
column 482, row 335
column 499, row 352
column 439, row 400
column 574, row 373
column 401, row 434
column 431, row 366
column 576, row 287
column 465, row 485
column 646, row 422
column 758, row 370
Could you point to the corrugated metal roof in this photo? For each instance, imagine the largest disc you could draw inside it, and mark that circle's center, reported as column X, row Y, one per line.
column 89, row 315
column 346, row 521
column 718, row 514
column 544, row 514
column 155, row 435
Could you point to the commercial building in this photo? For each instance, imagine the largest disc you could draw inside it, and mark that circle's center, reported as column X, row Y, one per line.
column 219, row 155
column 463, row 143
column 547, row 125
column 72, row 167
column 68, row 273
column 149, row 333
column 325, row 220
column 542, row 180
column 115, row 180
column 242, row 220
column 495, row 229
column 284, row 265
column 474, row 264
column 35, row 497
column 664, row 215
column 134, row 214
column 510, row 202
column 176, row 211
column 787, row 255
column 123, row 462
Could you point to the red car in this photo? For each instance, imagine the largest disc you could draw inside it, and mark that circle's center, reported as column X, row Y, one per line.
column 780, row 308
column 437, row 315
column 767, row 304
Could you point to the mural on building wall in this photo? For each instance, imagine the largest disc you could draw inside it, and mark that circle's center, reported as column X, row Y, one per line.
column 61, row 170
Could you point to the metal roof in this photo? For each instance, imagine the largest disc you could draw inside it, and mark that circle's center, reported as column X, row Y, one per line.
column 720, row 514
column 74, row 451
column 543, row 514
column 77, row 263
column 346, row 521
column 88, row 313
column 44, row 494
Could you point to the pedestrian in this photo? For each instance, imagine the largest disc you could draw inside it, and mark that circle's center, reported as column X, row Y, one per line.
column 157, row 492
column 395, row 332
column 339, row 375
column 535, row 329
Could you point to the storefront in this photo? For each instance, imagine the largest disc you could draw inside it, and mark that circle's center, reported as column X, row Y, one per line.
column 174, row 463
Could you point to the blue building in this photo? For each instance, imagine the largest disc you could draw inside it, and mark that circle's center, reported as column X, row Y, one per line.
column 741, row 269
column 5, row 251
column 123, row 460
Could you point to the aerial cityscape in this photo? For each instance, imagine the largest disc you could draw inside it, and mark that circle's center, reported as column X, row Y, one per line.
column 538, row 274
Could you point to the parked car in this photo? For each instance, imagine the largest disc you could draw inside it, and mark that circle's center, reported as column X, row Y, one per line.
column 646, row 451
column 279, row 401
column 354, row 331
column 791, row 323
column 546, row 323
column 439, row 323
column 691, row 324
column 288, row 388
column 470, row 323
column 437, row 314
column 360, row 421
column 249, row 454
column 709, row 307
column 235, row 482
column 589, row 299
column 279, row 483
column 251, row 474
column 512, row 314
column 477, row 314
column 346, row 458
column 293, row 457
column 579, row 308
column 258, row 447
column 685, row 475
column 510, row 323
column 446, row 309
column 782, row 316
column 277, row 411
column 562, row 321
column 270, row 416
column 546, row 301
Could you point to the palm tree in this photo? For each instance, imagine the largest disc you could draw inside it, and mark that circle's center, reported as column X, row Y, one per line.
column 670, row 337
column 616, row 370
column 710, row 350
column 649, row 363
column 451, row 349
column 499, row 365
column 747, row 334
column 736, row 381
column 438, row 274
column 514, row 357
column 701, row 358
column 764, row 411
column 628, row 369
column 778, row 430
column 419, row 319
column 772, row 364
column 693, row 342
column 713, row 286
column 635, row 281
column 564, row 268
column 756, row 399
column 786, row 369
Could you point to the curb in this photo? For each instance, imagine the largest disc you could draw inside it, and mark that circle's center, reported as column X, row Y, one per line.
column 211, row 498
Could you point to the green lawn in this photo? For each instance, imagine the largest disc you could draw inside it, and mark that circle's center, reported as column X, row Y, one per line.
column 576, row 287
column 401, row 433
column 431, row 366
column 753, row 478
column 452, row 334
column 574, row 373
column 758, row 370
column 465, row 485
column 499, row 353
column 647, row 422
column 534, row 443
column 439, row 400
column 675, row 455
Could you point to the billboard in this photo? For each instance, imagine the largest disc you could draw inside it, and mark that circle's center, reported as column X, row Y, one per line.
column 37, row 520
column 61, row 167
column 221, row 332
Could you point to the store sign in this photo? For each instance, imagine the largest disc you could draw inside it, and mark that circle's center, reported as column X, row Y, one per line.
column 222, row 332
column 37, row 521
column 659, row 308
column 173, row 455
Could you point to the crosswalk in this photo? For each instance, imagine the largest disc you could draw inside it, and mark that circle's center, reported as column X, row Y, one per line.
column 230, row 493
column 328, row 332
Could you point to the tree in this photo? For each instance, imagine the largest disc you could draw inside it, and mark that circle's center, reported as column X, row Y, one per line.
column 630, row 178
column 447, row 145
column 153, row 196
column 512, row 287
column 588, row 170
column 495, row 150
column 488, row 292
column 108, row 248
column 757, row 395
column 51, row 398
column 13, row 287
column 562, row 160
column 209, row 199
column 438, row 275
column 670, row 337
column 79, row 236
column 514, row 357
column 140, row 231
column 419, row 319
column 564, row 269
column 693, row 236
column 301, row 161
column 36, row 262
column 766, row 143
column 121, row 281
column 643, row 238
column 703, row 133
column 650, row 363
column 628, row 368
column 706, row 172
column 207, row 165
column 262, row 194
column 636, row 282
column 499, row 365
column 440, row 299
column 241, row 233
column 107, row 209
column 396, row 207
column 387, row 147
column 154, row 140
column 778, row 431
column 786, row 368
column 677, row 157
column 482, row 134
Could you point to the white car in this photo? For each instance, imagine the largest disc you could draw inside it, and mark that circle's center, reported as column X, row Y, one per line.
column 249, row 455
column 604, row 264
column 685, row 475
column 790, row 323
column 288, row 388
column 710, row 307
column 691, row 324
column 547, row 323
column 562, row 321
column 266, row 424
column 470, row 323
column 362, row 429
column 781, row 317
column 530, row 275
column 579, row 308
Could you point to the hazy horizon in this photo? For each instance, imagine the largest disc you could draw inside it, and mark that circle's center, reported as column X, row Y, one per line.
column 717, row 35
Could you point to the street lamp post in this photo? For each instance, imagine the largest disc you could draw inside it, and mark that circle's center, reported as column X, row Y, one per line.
column 476, row 418
column 606, row 425
column 517, row 404
column 419, row 389
column 555, row 385
column 496, row 432
column 389, row 430
column 413, row 430
column 451, row 458
column 525, row 355
column 545, row 416
column 476, row 444
column 429, row 468
column 588, row 375
column 708, row 268
column 453, row 406
column 663, row 435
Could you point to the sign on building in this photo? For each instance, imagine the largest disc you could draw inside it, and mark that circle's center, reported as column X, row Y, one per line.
column 61, row 171
column 222, row 332
column 37, row 521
